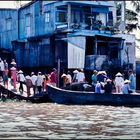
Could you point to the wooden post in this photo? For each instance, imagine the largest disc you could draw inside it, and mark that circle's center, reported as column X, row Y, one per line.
column 91, row 23
column 95, row 46
column 122, row 28
column 115, row 13
column 58, row 70
column 123, row 11
column 69, row 16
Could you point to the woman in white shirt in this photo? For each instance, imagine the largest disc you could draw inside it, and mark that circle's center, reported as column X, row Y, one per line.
column 118, row 82
column 80, row 76
column 39, row 82
column 34, row 79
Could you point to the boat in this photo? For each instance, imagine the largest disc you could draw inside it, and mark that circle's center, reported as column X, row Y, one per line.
column 69, row 97
column 9, row 94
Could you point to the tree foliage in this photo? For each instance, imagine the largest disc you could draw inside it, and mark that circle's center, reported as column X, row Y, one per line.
column 136, row 5
column 132, row 22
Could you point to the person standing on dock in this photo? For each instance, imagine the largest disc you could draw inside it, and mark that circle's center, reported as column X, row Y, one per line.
column 28, row 85
column 39, row 82
column 1, row 69
column 13, row 63
column 53, row 77
column 5, row 78
column 21, row 80
column 14, row 76
column 34, row 79
column 5, row 63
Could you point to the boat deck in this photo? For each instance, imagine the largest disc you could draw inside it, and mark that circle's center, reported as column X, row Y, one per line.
column 11, row 88
column 69, row 97
column 11, row 93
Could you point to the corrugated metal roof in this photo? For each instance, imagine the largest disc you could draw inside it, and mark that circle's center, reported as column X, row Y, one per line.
column 13, row 9
column 97, row 3
column 92, row 34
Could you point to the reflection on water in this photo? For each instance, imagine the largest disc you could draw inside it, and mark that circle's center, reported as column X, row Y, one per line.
column 26, row 120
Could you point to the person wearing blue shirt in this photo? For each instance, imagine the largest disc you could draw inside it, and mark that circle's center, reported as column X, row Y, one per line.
column 132, row 80
column 94, row 80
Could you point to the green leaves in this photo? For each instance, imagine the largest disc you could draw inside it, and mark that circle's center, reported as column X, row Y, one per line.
column 136, row 5
column 131, row 16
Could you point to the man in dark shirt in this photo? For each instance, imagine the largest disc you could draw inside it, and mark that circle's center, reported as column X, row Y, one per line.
column 108, row 86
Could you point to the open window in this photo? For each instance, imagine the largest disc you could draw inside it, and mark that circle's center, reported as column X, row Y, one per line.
column 28, row 25
column 61, row 16
column 47, row 17
column 102, row 48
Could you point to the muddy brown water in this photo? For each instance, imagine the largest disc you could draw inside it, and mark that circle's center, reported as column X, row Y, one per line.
column 24, row 120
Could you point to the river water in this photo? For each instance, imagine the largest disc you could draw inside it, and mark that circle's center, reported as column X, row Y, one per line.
column 24, row 120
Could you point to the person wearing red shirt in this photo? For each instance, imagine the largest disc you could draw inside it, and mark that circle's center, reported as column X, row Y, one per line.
column 53, row 77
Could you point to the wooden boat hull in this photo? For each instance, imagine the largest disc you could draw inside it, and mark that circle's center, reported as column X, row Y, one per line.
column 62, row 96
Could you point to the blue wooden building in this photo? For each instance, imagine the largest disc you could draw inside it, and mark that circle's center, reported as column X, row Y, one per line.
column 78, row 33
column 8, row 32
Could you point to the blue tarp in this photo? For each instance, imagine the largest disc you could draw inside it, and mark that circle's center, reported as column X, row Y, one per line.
column 100, row 9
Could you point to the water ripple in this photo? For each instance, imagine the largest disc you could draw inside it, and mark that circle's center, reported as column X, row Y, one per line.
column 22, row 120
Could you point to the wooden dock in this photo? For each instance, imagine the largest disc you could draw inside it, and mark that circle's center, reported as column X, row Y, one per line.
column 11, row 93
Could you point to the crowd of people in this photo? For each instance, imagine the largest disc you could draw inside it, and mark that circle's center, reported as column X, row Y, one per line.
column 37, row 82
column 100, row 80
column 101, row 83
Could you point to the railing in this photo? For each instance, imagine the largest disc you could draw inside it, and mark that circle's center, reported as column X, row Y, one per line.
column 96, row 25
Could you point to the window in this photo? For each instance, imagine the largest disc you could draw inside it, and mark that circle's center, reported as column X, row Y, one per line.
column 61, row 16
column 28, row 20
column 28, row 25
column 89, row 16
column 47, row 17
column 110, row 18
column 8, row 24
column 110, row 15
column 76, row 17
